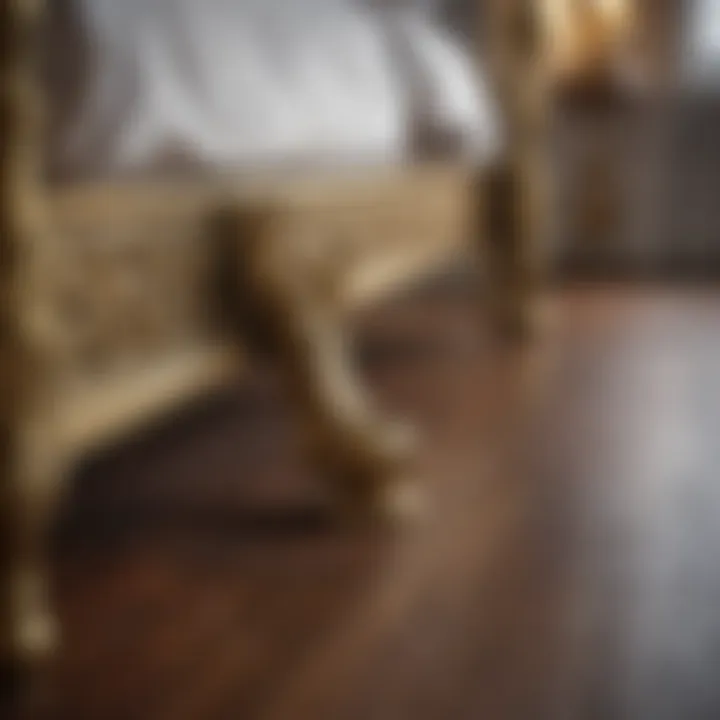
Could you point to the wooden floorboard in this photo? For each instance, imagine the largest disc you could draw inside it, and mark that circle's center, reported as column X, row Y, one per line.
column 567, row 570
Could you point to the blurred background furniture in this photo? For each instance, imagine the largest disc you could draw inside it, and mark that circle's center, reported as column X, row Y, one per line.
column 638, row 165
column 599, row 94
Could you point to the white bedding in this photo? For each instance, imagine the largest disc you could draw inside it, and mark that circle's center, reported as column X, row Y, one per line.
column 229, row 84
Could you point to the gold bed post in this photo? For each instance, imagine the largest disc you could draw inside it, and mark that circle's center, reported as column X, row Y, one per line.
column 516, row 50
column 29, row 470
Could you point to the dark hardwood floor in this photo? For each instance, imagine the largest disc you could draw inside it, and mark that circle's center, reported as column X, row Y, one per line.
column 570, row 567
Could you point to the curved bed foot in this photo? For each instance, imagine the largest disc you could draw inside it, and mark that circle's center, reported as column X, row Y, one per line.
column 292, row 292
column 30, row 633
column 371, row 469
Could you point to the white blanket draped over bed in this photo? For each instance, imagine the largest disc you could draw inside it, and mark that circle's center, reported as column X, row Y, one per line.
column 149, row 85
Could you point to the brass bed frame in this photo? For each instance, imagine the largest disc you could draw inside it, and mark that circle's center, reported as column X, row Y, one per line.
column 118, row 303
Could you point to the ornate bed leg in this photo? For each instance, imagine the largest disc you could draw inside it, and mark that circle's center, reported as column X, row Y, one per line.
column 29, row 465
column 291, row 290
column 31, row 462
column 365, row 454
column 31, row 484
column 517, row 190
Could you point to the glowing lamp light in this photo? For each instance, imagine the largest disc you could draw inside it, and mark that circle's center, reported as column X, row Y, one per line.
column 588, row 36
